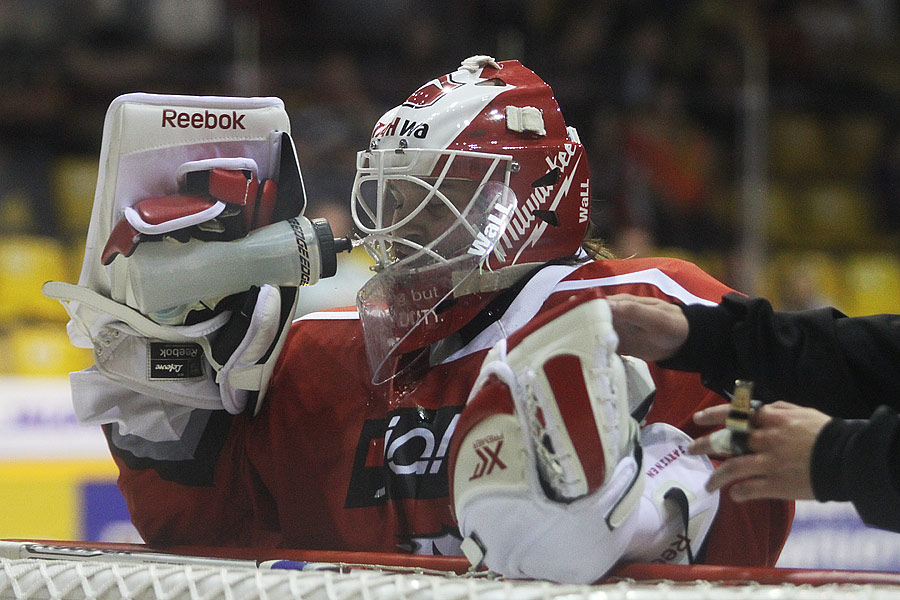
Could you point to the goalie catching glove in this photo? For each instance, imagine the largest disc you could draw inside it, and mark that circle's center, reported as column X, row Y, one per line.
column 552, row 477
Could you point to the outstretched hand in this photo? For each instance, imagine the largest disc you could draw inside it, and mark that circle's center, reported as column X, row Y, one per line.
column 648, row 328
column 780, row 442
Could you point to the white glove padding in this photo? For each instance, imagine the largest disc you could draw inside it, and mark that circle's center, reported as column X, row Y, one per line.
column 641, row 388
column 549, row 479
column 99, row 401
column 145, row 150
column 546, row 447
column 675, row 511
column 221, row 363
column 513, row 528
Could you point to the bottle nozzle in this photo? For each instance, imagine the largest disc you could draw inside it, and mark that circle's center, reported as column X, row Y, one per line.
column 344, row 244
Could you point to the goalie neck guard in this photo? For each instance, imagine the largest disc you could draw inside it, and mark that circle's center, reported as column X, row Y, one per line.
column 472, row 181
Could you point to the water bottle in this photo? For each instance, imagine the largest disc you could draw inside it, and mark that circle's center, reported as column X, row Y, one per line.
column 165, row 277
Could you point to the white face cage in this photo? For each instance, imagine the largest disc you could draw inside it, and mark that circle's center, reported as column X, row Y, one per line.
column 376, row 211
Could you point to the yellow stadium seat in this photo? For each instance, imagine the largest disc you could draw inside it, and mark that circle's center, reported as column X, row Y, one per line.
column 796, row 280
column 26, row 262
column 837, row 214
column 74, row 180
column 782, row 208
column 798, row 144
column 872, row 283
column 44, row 349
column 16, row 213
column 857, row 140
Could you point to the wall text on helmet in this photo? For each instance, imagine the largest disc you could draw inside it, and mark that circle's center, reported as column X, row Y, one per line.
column 584, row 210
column 496, row 225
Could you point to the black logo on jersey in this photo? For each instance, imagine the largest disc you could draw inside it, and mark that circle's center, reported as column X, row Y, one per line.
column 403, row 456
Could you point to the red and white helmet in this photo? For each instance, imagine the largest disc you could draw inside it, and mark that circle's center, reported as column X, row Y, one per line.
column 483, row 154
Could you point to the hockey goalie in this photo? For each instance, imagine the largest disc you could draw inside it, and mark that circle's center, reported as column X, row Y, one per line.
column 471, row 402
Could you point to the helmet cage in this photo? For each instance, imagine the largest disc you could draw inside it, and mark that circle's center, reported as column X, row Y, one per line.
column 372, row 206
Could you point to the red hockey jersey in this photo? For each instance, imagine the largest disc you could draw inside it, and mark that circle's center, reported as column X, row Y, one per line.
column 334, row 462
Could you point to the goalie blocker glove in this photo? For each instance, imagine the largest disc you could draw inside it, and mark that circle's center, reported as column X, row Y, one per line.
column 195, row 252
column 552, row 477
column 173, row 246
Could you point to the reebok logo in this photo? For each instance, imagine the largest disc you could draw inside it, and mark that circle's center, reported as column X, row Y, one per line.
column 202, row 120
column 168, row 361
column 674, row 549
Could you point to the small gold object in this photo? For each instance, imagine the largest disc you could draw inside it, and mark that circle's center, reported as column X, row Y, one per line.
column 738, row 419
column 734, row 439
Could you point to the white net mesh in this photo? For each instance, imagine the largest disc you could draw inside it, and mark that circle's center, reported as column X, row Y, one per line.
column 101, row 580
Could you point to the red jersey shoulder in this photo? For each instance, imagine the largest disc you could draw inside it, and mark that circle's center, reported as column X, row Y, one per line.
column 338, row 326
column 327, row 337
column 661, row 277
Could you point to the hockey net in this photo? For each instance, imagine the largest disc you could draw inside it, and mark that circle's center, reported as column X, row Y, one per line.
column 116, row 573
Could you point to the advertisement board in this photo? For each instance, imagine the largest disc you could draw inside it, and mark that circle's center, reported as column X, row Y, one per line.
column 57, row 480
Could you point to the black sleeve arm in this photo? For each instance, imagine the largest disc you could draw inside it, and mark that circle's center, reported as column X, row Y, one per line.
column 820, row 358
column 857, row 460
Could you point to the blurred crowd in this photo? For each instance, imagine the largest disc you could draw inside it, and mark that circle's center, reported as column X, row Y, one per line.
column 661, row 92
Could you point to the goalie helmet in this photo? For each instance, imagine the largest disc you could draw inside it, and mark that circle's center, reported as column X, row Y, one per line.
column 470, row 183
